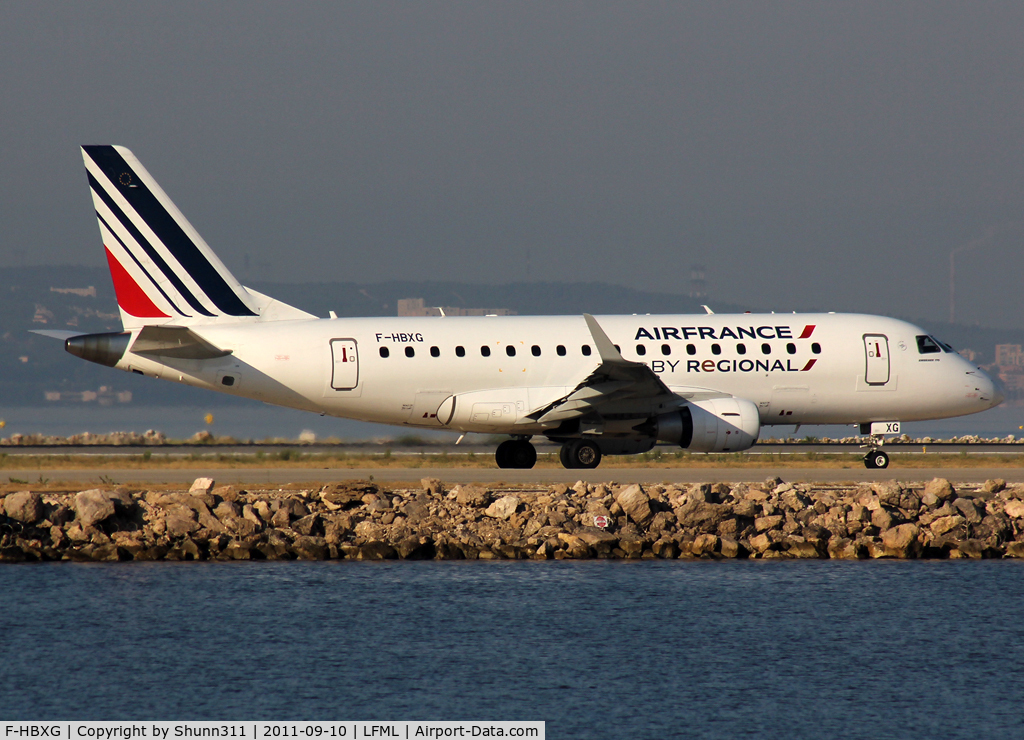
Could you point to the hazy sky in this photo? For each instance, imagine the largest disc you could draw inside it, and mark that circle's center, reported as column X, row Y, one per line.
column 812, row 155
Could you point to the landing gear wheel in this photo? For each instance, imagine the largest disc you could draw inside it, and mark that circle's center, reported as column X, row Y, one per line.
column 876, row 459
column 580, row 454
column 515, row 453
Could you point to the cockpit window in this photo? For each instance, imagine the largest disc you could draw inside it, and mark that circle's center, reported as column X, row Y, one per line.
column 926, row 345
column 944, row 346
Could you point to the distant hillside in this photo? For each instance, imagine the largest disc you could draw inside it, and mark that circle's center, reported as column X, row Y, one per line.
column 30, row 365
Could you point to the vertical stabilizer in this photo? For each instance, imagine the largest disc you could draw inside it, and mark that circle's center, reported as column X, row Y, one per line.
column 163, row 271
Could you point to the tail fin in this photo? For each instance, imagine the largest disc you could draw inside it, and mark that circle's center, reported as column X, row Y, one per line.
column 163, row 271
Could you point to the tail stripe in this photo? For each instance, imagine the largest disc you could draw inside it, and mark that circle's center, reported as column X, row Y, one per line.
column 139, row 264
column 167, row 230
column 146, row 246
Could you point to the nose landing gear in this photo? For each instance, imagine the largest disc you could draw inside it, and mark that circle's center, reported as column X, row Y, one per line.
column 876, row 459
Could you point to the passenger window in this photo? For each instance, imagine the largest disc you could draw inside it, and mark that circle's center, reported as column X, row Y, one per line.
column 585, row 349
column 384, row 352
column 435, row 352
column 510, row 350
column 791, row 348
column 560, row 350
column 716, row 349
column 691, row 349
column 926, row 345
column 816, row 348
column 460, row 351
column 485, row 351
column 535, row 350
column 410, row 352
column 641, row 350
column 766, row 349
column 666, row 349
column 741, row 349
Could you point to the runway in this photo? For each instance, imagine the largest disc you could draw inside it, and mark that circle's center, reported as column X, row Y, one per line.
column 494, row 476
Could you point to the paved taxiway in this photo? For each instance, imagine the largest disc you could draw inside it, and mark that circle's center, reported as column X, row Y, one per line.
column 539, row 476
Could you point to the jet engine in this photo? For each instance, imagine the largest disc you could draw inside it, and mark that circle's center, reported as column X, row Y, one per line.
column 715, row 425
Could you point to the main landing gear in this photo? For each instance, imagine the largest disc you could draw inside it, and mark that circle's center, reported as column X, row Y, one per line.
column 580, row 453
column 515, row 453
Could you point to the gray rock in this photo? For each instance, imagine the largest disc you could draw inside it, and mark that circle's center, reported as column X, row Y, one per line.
column 281, row 519
column 969, row 510
column 1014, row 509
column 1015, row 550
column 939, row 488
column 93, row 506
column 595, row 537
column 993, row 485
column 24, row 506
column 432, row 486
column 901, row 541
column 227, row 509
column 180, row 521
column 310, row 548
column 636, row 504
column 705, row 544
column 471, row 496
column 882, row 518
column 415, row 510
column 310, row 525
column 503, row 508
column 798, row 547
column 764, row 523
column 946, row 524
column 376, row 550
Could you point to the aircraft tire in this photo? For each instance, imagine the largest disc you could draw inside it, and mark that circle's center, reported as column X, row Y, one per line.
column 876, row 459
column 503, row 455
column 563, row 455
column 583, row 454
column 522, row 455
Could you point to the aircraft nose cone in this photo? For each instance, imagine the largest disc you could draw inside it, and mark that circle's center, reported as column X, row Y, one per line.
column 990, row 390
column 997, row 393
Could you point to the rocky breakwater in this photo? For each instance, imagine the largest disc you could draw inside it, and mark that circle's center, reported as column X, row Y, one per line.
column 363, row 521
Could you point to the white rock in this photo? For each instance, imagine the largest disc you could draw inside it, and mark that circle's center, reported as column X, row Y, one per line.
column 503, row 508
column 202, row 486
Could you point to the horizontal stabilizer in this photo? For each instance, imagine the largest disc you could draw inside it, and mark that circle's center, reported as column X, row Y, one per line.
column 56, row 333
column 175, row 341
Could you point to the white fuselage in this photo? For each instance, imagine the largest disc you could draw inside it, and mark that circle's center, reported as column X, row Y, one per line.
column 796, row 368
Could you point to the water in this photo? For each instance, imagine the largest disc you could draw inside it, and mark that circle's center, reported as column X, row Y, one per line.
column 597, row 649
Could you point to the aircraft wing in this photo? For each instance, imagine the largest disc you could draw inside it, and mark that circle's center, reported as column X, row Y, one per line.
column 616, row 386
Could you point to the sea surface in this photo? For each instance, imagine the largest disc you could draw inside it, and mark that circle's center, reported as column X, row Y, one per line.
column 596, row 649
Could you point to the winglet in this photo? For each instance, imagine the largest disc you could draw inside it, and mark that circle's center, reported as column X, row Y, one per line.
column 604, row 345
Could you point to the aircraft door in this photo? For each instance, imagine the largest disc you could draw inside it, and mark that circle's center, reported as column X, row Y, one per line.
column 345, row 375
column 876, row 357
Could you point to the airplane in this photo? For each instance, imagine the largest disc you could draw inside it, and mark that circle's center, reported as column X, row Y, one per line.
column 596, row 385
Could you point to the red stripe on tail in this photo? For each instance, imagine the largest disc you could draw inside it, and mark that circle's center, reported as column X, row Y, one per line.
column 130, row 297
column 808, row 330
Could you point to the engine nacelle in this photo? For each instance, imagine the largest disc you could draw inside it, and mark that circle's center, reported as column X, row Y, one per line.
column 715, row 425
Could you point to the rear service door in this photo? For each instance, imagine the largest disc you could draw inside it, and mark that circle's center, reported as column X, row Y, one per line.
column 876, row 356
column 346, row 364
